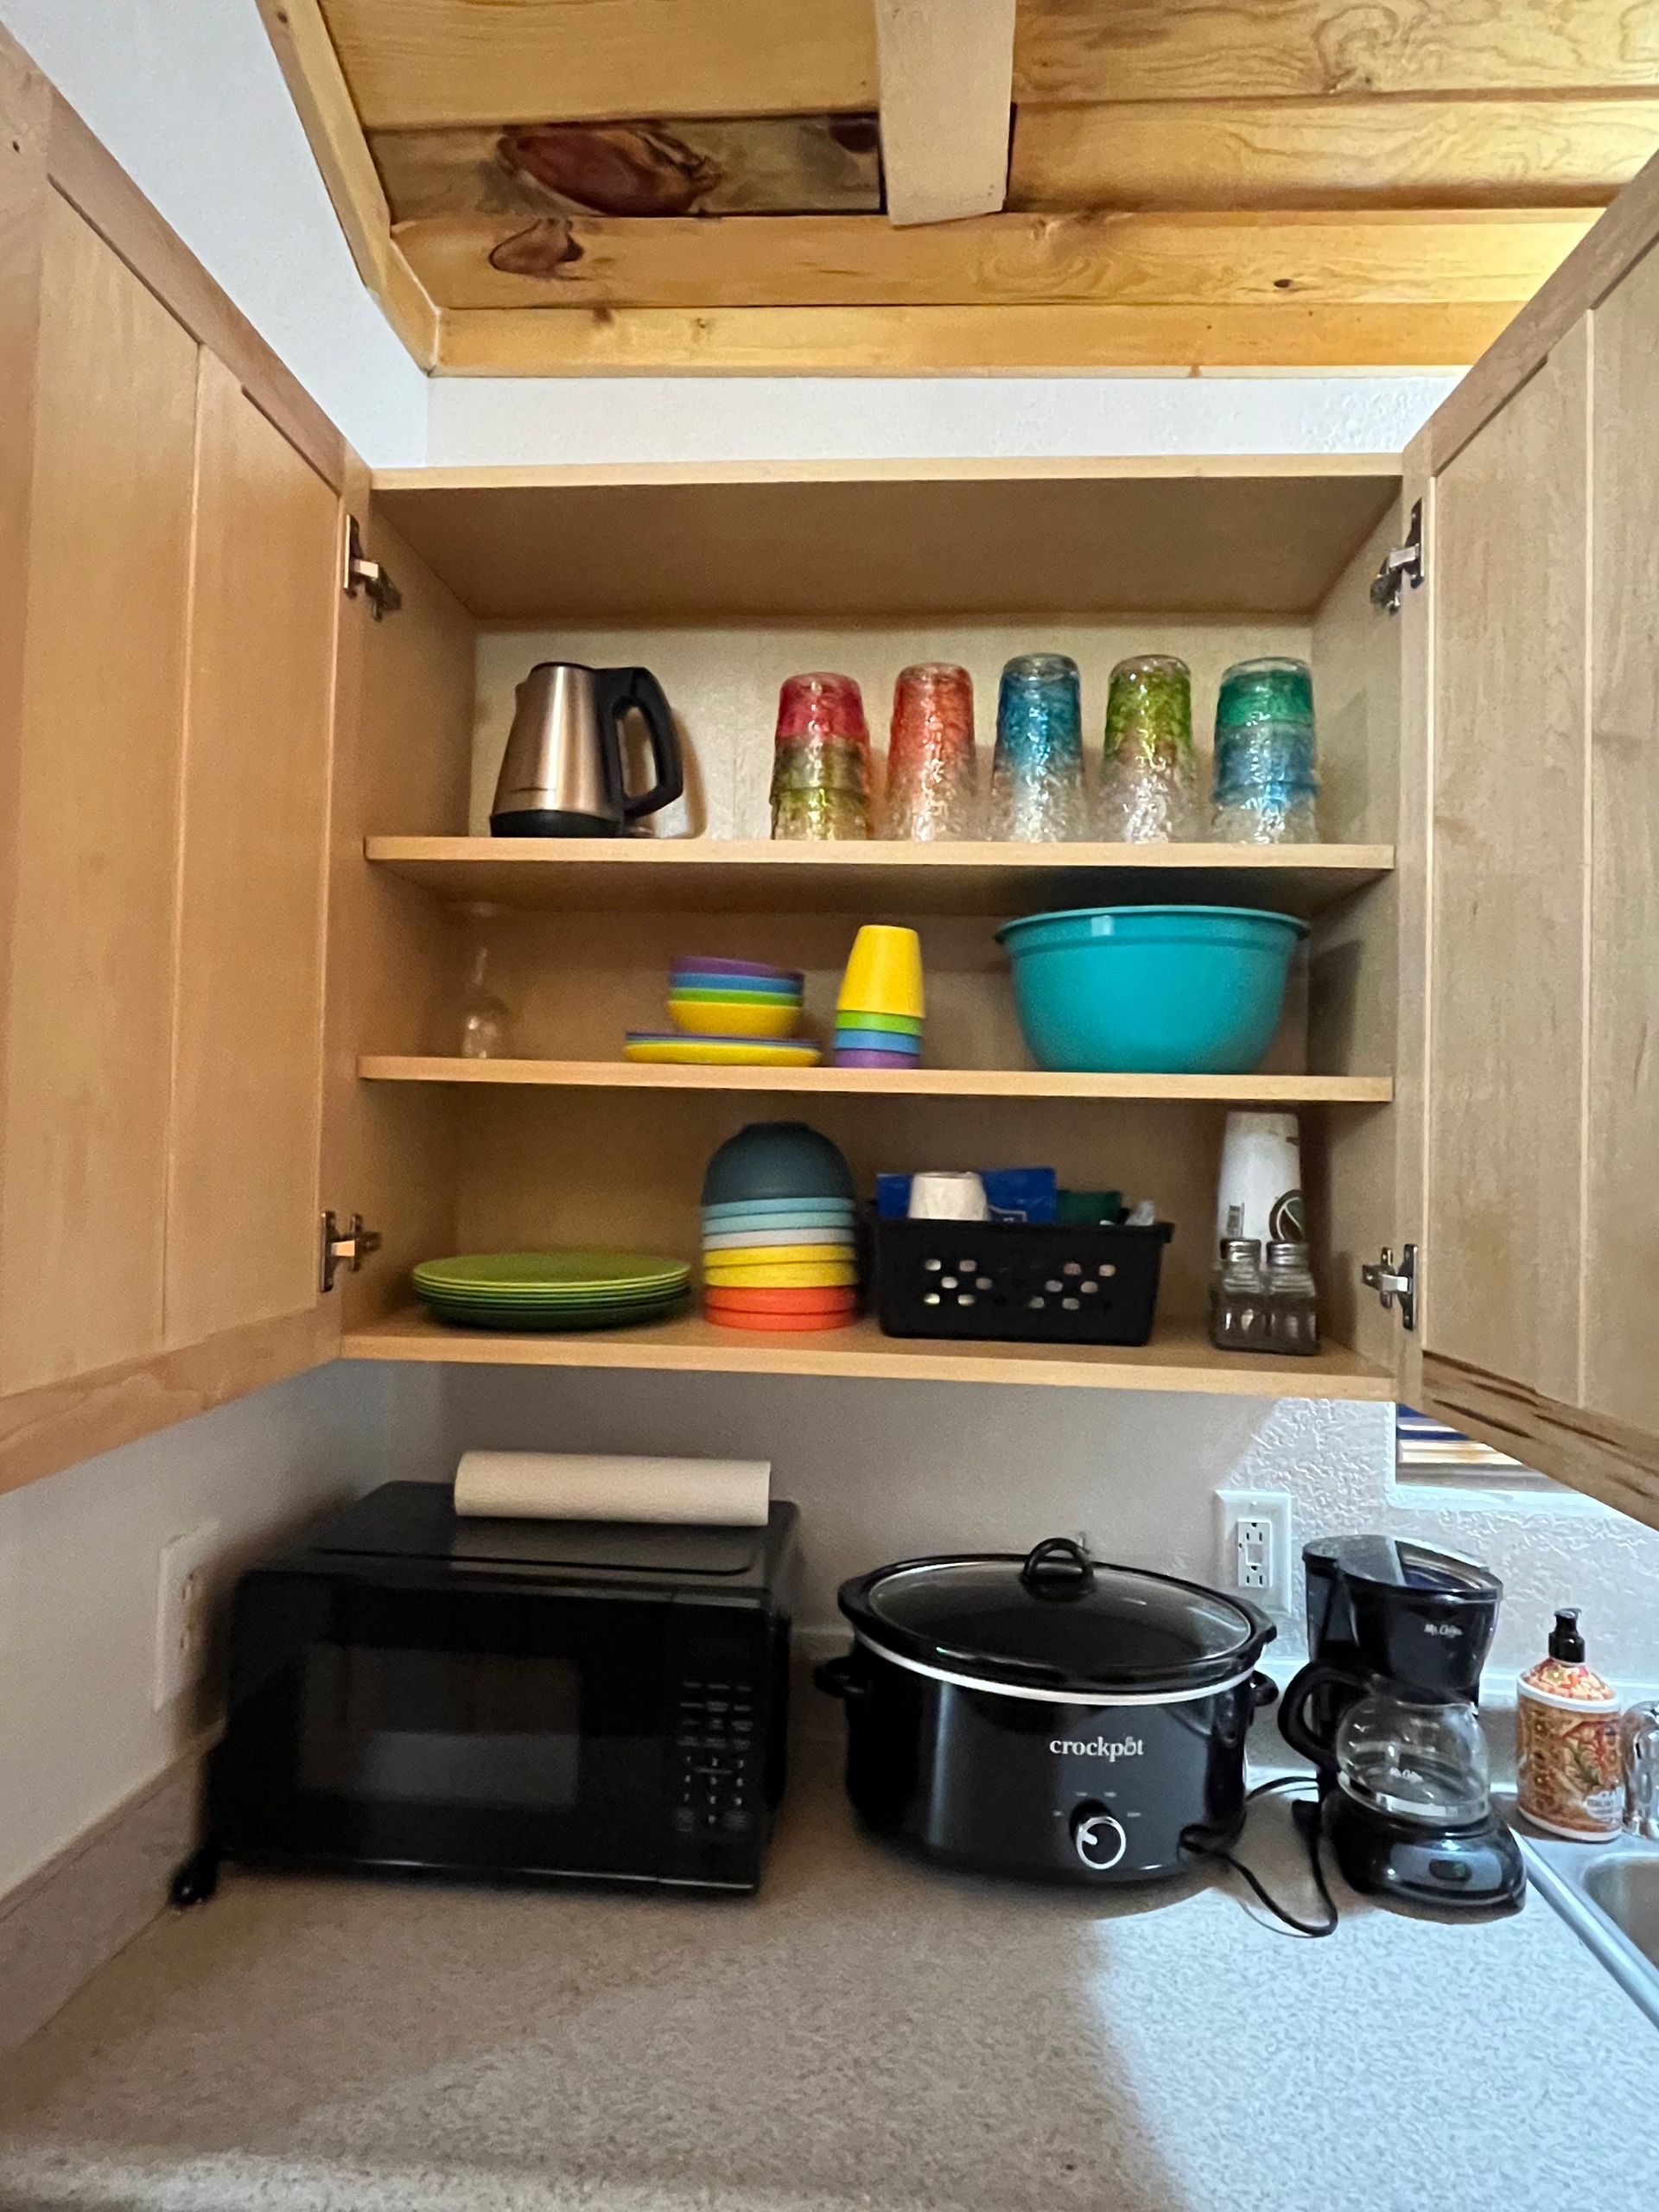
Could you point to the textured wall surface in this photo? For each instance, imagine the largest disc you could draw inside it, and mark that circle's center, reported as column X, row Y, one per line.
column 884, row 1470
column 477, row 420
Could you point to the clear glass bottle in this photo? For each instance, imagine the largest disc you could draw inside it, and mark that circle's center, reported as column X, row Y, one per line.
column 1238, row 1305
column 486, row 1020
column 1293, row 1301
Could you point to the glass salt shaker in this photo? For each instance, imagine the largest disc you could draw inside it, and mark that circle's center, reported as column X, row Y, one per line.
column 1293, row 1301
column 1238, row 1307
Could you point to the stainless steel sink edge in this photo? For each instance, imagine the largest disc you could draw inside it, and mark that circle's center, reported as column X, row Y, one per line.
column 1557, row 1870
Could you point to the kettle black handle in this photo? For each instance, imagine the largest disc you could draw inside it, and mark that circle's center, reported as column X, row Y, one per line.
column 1058, row 1568
column 639, row 688
column 1292, row 1711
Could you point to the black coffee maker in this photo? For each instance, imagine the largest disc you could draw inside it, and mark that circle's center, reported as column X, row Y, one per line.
column 1385, row 1709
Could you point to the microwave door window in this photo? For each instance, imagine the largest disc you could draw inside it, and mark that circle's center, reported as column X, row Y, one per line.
column 496, row 1730
column 454, row 1729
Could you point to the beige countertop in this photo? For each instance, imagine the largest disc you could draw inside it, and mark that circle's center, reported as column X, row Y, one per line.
column 865, row 2034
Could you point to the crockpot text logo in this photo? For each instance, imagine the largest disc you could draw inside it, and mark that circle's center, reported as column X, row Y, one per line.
column 1098, row 1747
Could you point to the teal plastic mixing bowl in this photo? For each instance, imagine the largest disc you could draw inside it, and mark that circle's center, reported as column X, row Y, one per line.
column 1150, row 990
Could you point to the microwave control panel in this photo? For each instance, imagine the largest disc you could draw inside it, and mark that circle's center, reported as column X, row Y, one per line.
column 717, row 1760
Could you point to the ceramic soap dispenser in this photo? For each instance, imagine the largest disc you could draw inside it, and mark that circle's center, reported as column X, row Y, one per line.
column 1568, row 1780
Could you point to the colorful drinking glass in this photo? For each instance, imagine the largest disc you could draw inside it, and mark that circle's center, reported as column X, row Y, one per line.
column 1037, row 769
column 820, row 767
column 1267, row 776
column 932, row 788
column 1149, row 777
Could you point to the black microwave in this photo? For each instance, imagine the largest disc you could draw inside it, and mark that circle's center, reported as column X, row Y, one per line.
column 600, row 1702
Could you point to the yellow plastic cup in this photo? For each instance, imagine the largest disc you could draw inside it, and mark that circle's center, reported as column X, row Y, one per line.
column 884, row 975
column 783, row 1276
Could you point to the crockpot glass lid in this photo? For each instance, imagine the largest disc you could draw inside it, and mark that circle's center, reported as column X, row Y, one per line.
column 1056, row 1619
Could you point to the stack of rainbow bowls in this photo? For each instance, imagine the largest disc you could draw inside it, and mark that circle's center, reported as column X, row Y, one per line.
column 740, row 1013
column 879, row 1011
column 780, row 1234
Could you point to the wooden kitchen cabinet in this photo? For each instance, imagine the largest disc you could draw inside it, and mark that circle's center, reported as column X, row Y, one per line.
column 1469, row 1044
column 170, row 577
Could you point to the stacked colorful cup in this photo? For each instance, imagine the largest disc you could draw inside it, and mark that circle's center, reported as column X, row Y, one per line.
column 780, row 1234
column 879, row 1011
column 821, row 770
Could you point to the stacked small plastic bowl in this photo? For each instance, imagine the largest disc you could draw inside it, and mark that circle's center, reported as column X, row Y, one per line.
column 780, row 1231
column 879, row 1011
column 734, row 998
column 732, row 1013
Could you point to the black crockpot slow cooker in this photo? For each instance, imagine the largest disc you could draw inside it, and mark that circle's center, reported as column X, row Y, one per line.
column 1047, row 1717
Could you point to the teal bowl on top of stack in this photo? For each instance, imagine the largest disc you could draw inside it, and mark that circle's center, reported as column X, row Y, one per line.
column 1151, row 990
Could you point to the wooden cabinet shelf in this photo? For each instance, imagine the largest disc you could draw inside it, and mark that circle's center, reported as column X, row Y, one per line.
column 753, row 875
column 1179, row 1358
column 881, row 1083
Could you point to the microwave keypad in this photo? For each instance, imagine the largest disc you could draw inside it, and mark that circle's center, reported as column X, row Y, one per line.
column 714, row 1742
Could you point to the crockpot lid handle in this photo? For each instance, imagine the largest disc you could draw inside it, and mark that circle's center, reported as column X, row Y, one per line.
column 1058, row 1568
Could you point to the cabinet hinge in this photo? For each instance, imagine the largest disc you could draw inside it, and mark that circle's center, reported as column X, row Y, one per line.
column 367, row 577
column 339, row 1247
column 1404, row 566
column 1391, row 1283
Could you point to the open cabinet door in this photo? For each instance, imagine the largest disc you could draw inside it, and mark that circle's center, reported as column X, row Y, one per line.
column 1533, row 863
column 169, row 567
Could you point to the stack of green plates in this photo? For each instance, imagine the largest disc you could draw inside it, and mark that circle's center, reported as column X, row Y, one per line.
column 552, row 1290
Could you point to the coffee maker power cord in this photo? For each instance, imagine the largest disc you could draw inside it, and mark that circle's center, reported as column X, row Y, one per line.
column 1206, row 1845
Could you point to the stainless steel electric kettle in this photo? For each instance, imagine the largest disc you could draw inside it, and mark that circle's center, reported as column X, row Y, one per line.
column 561, row 775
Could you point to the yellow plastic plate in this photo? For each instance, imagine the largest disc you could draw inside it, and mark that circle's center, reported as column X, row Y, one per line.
column 720, row 1052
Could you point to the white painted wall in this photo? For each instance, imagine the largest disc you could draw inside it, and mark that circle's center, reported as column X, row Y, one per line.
column 884, row 1470
column 77, row 1589
column 187, row 96
column 478, row 422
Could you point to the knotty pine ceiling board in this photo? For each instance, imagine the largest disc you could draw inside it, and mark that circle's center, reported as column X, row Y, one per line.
column 797, row 165
column 424, row 64
column 656, row 186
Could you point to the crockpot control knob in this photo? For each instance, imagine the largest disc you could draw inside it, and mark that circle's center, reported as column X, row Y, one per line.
column 1098, row 1840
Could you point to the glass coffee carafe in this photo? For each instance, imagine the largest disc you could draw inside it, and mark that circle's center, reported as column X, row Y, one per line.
column 1411, row 1757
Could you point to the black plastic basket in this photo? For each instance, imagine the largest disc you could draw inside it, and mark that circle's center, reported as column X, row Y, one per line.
column 1010, row 1281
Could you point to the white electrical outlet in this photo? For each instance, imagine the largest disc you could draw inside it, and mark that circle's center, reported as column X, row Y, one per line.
column 181, row 1613
column 1255, row 1545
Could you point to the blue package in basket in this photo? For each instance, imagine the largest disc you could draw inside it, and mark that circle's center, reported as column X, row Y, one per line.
column 1012, row 1193
column 1021, row 1193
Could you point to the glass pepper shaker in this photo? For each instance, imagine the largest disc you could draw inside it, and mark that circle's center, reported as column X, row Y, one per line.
column 1293, row 1301
column 1238, row 1310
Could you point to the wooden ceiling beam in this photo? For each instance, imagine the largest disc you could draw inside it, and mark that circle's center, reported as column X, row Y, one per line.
column 426, row 64
column 905, row 341
column 421, row 64
column 1232, row 49
column 946, row 72
column 854, row 261
column 317, row 87
column 1492, row 152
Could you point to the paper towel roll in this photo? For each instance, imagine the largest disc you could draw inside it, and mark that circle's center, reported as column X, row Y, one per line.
column 593, row 1486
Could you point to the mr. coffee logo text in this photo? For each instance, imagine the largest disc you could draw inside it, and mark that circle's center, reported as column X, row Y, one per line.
column 1099, row 1747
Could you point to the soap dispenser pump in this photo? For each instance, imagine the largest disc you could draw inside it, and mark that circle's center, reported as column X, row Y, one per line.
column 1568, row 1780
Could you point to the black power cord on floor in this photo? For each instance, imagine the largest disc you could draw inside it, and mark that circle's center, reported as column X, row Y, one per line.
column 1206, row 1845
